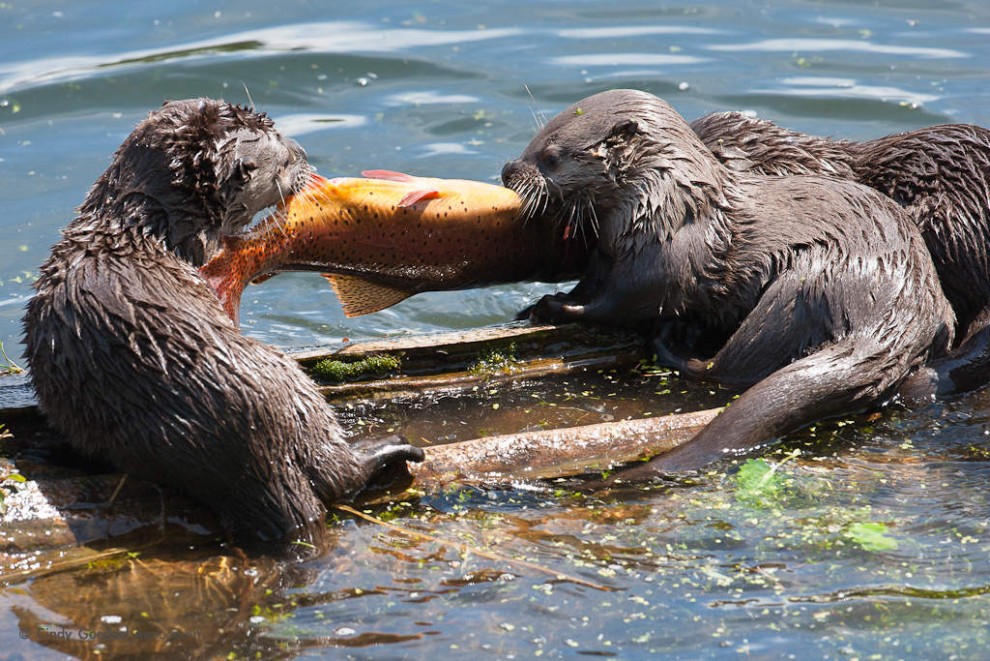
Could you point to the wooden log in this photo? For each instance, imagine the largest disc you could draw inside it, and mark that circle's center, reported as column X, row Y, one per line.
column 556, row 452
column 456, row 360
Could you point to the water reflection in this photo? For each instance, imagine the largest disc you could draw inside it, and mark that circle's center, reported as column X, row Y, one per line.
column 331, row 37
column 136, row 606
column 807, row 45
column 625, row 59
column 845, row 88
column 623, row 32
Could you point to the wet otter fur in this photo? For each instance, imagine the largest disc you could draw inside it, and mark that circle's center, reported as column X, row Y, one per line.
column 133, row 358
column 939, row 174
column 822, row 288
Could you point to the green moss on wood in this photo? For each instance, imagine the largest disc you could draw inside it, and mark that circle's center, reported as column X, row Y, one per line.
column 495, row 361
column 338, row 371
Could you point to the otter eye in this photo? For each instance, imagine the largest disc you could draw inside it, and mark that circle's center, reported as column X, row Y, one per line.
column 247, row 166
column 550, row 158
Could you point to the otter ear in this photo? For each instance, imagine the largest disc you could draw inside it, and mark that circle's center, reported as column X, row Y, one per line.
column 625, row 128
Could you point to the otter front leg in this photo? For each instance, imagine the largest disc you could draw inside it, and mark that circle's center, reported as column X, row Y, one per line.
column 610, row 293
column 556, row 308
column 561, row 307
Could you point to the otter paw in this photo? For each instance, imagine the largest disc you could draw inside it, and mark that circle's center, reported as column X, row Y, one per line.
column 385, row 458
column 665, row 355
column 555, row 308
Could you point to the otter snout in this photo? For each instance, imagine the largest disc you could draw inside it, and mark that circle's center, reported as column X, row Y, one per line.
column 511, row 173
column 296, row 152
column 298, row 169
column 522, row 177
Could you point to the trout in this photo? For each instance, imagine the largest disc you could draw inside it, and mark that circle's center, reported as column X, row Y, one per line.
column 387, row 236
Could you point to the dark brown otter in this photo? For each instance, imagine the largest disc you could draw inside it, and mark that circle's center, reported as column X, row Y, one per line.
column 939, row 174
column 822, row 288
column 133, row 358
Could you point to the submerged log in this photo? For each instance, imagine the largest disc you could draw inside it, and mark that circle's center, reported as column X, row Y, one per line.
column 553, row 453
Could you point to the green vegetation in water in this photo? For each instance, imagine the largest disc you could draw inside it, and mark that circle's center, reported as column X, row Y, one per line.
column 8, row 366
column 272, row 613
column 977, row 453
column 763, row 485
column 337, row 371
column 113, row 564
column 495, row 361
column 391, row 511
column 760, row 484
column 870, row 536
column 8, row 480
column 649, row 367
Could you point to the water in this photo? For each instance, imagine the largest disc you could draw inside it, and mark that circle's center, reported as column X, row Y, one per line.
column 455, row 89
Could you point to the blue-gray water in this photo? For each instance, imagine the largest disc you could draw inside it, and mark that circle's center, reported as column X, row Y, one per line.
column 454, row 89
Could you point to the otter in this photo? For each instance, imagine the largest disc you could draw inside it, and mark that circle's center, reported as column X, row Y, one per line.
column 939, row 174
column 822, row 289
column 134, row 360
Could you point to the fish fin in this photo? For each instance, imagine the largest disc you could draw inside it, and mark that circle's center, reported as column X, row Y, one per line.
column 390, row 175
column 418, row 196
column 261, row 278
column 411, row 198
column 359, row 296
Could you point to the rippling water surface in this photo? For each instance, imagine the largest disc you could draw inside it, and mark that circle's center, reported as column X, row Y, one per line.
column 455, row 89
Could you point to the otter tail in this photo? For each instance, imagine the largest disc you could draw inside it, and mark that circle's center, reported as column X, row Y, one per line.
column 846, row 376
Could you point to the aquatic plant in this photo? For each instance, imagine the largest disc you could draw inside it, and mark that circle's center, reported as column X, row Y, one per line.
column 8, row 366
column 9, row 479
column 495, row 361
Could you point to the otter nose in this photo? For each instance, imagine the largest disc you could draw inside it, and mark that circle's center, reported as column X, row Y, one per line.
column 510, row 171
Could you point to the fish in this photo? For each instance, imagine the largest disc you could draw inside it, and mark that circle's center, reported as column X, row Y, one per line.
column 385, row 236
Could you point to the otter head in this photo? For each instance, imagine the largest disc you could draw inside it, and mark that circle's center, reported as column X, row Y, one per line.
column 197, row 169
column 611, row 159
